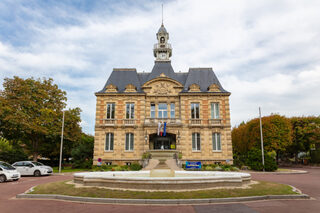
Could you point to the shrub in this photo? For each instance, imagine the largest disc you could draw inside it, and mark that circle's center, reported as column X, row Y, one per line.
column 146, row 155
column 218, row 168
column 135, row 167
column 255, row 163
column 208, row 168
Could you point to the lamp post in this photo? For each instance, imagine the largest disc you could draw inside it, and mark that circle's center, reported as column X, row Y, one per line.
column 262, row 149
column 61, row 144
column 146, row 137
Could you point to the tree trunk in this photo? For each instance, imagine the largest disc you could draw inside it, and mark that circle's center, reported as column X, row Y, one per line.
column 35, row 150
column 35, row 156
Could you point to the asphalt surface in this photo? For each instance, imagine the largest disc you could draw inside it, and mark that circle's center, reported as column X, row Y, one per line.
column 308, row 183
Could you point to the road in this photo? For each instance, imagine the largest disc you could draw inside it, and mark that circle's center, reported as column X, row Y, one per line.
column 308, row 183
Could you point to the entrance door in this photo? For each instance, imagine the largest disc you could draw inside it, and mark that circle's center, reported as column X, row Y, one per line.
column 162, row 143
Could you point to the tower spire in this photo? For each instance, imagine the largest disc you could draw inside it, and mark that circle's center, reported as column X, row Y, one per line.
column 162, row 15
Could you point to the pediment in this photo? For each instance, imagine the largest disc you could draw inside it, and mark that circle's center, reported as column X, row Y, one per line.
column 194, row 88
column 111, row 88
column 214, row 88
column 162, row 86
column 130, row 88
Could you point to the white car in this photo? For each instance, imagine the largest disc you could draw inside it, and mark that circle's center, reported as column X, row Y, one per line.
column 32, row 168
column 8, row 172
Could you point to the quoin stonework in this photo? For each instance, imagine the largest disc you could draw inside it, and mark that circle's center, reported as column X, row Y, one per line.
column 162, row 111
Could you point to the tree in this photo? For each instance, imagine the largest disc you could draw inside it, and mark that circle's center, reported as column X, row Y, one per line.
column 306, row 131
column 71, row 137
column 276, row 135
column 11, row 152
column 31, row 112
column 82, row 153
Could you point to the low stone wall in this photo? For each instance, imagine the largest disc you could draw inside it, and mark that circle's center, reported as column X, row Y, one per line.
column 183, row 180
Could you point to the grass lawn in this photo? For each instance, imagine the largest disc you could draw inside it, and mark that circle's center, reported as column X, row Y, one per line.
column 68, row 169
column 261, row 188
column 283, row 170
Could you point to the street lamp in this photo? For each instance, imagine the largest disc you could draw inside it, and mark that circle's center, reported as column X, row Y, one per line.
column 146, row 137
column 61, row 144
column 261, row 136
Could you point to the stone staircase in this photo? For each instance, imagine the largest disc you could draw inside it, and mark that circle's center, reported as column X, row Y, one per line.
column 162, row 159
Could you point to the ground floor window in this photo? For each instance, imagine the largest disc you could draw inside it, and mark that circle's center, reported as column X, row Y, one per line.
column 196, row 141
column 129, row 141
column 216, row 142
column 109, row 142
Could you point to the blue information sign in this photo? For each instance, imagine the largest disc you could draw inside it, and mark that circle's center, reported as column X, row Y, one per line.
column 193, row 165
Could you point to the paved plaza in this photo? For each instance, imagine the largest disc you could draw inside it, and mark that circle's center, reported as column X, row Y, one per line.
column 308, row 183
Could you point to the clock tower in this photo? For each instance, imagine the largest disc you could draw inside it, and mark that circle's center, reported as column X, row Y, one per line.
column 162, row 50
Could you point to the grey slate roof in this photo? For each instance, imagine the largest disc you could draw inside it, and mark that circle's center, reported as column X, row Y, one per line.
column 162, row 29
column 204, row 77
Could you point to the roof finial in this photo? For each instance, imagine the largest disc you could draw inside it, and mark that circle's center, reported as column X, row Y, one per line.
column 162, row 15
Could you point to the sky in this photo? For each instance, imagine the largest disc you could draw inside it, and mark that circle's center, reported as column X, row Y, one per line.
column 266, row 53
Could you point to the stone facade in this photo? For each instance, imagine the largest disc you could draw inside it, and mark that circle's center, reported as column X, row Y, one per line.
column 145, row 95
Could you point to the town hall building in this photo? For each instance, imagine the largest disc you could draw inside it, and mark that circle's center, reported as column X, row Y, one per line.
column 186, row 113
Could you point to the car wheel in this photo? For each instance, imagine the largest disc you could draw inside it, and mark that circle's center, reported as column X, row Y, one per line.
column 2, row 178
column 37, row 173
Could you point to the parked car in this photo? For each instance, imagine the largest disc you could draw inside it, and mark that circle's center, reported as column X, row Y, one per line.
column 8, row 172
column 32, row 168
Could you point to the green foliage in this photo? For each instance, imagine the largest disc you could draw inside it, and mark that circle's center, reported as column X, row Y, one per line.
column 146, row 155
column 284, row 137
column 315, row 156
column 135, row 167
column 11, row 152
column 31, row 112
column 306, row 131
column 82, row 153
column 254, row 161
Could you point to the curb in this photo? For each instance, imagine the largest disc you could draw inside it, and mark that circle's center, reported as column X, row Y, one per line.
column 161, row 201
column 294, row 172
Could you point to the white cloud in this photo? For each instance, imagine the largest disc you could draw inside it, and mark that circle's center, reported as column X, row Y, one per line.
column 265, row 52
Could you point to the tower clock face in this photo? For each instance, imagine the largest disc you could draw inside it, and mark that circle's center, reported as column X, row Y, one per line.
column 163, row 55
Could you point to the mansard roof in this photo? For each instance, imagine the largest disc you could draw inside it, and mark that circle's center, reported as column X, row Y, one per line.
column 204, row 77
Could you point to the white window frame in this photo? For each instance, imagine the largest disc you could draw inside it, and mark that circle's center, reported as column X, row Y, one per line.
column 131, row 111
column 162, row 111
column 216, row 141
column 194, row 114
column 129, row 145
column 152, row 111
column 215, row 110
column 112, row 111
column 172, row 110
column 110, row 140
column 194, row 140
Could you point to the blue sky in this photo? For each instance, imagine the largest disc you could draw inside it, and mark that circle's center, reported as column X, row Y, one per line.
column 266, row 53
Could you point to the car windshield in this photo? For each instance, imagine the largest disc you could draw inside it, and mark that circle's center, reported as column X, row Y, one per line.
column 6, row 166
column 37, row 163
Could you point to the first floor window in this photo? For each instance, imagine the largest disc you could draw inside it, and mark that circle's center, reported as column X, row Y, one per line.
column 152, row 110
column 110, row 110
column 215, row 111
column 130, row 111
column 216, row 142
column 162, row 110
column 109, row 142
column 129, row 141
column 195, row 111
column 196, row 141
column 172, row 110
